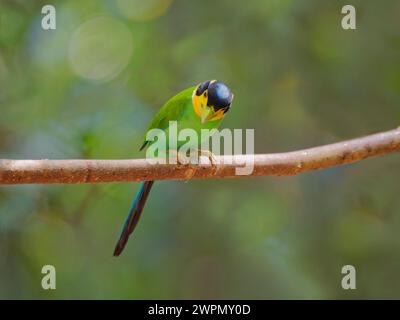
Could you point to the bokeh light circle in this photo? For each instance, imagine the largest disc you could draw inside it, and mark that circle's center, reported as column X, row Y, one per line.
column 100, row 49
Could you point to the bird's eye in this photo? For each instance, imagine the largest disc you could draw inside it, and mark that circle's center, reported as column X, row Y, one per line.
column 205, row 94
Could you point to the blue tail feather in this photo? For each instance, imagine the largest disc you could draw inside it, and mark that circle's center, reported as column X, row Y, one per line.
column 133, row 216
column 131, row 211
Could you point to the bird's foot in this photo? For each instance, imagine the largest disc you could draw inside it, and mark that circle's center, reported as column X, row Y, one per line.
column 209, row 155
column 190, row 164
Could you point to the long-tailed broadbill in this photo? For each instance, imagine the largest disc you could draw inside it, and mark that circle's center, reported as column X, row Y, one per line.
column 199, row 107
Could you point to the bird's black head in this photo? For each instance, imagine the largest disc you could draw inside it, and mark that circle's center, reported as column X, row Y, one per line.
column 211, row 100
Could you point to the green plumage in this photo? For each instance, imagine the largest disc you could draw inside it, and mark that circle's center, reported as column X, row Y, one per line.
column 179, row 108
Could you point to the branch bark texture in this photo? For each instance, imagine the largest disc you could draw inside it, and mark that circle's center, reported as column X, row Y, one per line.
column 277, row 164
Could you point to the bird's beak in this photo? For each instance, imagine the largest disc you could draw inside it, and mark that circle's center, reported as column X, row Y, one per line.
column 206, row 114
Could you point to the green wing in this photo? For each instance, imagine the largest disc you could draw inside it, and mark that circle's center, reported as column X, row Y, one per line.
column 173, row 110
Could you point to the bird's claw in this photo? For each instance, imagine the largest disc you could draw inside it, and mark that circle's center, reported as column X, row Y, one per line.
column 191, row 164
column 210, row 156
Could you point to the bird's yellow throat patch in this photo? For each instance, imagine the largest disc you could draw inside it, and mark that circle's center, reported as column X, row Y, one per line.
column 200, row 103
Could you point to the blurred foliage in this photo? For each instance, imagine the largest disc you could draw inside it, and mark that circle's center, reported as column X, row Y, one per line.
column 88, row 89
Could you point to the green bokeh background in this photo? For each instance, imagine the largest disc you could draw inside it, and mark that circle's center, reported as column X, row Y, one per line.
column 299, row 80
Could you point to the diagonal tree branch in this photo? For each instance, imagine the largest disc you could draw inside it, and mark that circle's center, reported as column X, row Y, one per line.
column 278, row 164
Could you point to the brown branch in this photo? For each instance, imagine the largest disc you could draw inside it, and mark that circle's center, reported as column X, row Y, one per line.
column 278, row 164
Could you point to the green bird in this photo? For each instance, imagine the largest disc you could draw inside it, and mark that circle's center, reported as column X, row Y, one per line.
column 200, row 107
